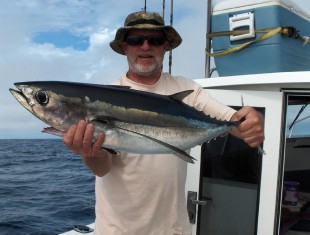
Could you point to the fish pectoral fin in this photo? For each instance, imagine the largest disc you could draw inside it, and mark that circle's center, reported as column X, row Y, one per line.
column 176, row 151
column 181, row 95
column 104, row 119
column 184, row 155
column 112, row 151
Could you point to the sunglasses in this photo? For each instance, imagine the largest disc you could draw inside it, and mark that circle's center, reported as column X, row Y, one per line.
column 138, row 40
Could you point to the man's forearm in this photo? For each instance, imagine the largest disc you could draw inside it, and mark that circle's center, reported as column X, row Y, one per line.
column 100, row 165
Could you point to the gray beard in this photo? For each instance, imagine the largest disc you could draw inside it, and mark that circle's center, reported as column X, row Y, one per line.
column 143, row 70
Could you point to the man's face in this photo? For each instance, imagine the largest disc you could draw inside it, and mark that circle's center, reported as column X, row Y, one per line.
column 145, row 57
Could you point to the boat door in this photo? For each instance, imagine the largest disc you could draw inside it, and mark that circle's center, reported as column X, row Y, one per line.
column 232, row 188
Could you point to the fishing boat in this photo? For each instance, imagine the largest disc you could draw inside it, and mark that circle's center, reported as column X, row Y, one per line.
column 233, row 189
column 263, row 62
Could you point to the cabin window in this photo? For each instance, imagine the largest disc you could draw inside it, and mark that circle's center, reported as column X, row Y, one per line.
column 295, row 197
column 230, row 181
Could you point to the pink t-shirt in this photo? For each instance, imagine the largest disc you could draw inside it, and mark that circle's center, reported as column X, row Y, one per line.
column 145, row 194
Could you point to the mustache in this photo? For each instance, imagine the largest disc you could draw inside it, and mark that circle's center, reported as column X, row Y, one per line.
column 145, row 53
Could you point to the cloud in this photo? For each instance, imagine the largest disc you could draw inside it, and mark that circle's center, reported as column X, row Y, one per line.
column 88, row 57
column 30, row 51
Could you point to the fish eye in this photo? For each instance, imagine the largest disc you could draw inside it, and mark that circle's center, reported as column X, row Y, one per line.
column 42, row 97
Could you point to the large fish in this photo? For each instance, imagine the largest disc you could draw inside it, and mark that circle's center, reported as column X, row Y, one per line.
column 133, row 121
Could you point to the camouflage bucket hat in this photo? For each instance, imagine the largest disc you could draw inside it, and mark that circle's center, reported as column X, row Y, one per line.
column 147, row 21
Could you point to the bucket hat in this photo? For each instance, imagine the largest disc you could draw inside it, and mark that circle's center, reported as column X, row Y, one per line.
column 148, row 21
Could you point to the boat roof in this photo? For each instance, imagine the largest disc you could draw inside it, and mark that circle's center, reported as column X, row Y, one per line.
column 226, row 6
column 259, row 82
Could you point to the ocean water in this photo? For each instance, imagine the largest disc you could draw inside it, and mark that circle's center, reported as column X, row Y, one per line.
column 44, row 188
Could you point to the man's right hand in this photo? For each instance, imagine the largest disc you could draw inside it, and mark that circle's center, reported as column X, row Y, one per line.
column 79, row 138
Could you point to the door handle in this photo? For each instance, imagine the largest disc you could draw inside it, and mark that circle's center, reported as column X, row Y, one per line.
column 200, row 202
column 191, row 205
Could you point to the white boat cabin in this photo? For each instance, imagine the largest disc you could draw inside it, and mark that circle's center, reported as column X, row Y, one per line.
column 234, row 189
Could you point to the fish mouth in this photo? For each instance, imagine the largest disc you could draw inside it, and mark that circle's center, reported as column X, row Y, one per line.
column 53, row 131
column 21, row 98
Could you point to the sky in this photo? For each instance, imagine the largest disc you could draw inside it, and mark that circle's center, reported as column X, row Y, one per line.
column 68, row 40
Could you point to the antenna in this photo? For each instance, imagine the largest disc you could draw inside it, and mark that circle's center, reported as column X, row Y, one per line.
column 208, row 41
column 164, row 5
column 171, row 24
column 144, row 5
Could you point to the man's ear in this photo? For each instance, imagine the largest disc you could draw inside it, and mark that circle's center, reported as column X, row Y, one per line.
column 166, row 46
column 124, row 46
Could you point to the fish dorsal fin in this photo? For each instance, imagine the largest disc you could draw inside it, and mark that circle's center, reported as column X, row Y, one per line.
column 180, row 95
column 119, row 86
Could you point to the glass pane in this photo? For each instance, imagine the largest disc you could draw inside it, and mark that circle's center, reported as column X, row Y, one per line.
column 295, row 211
column 230, row 176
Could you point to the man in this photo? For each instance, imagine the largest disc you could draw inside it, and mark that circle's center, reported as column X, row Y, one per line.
column 140, row 194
